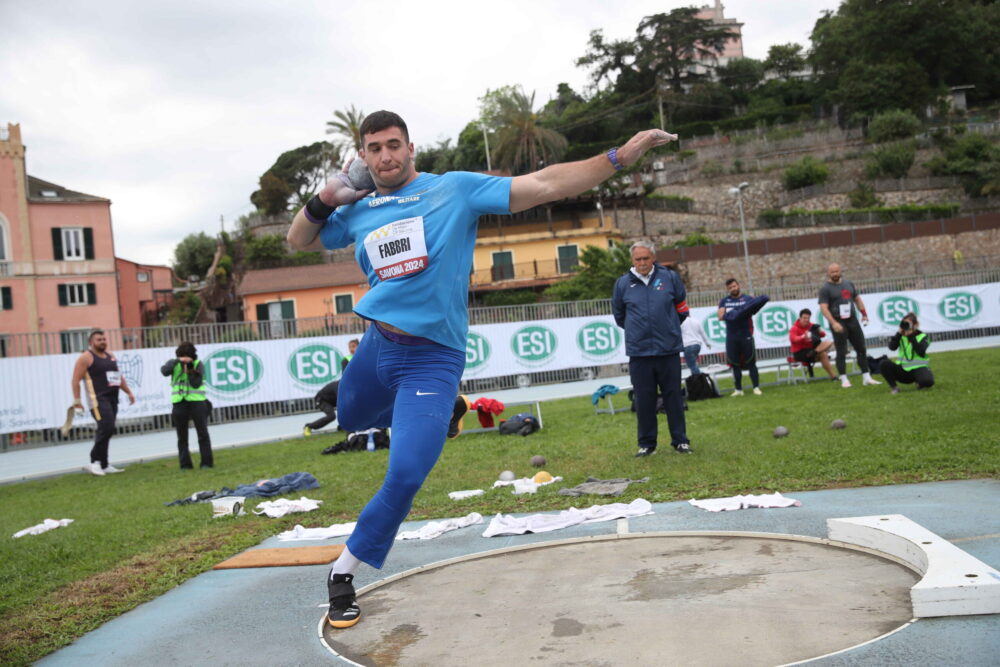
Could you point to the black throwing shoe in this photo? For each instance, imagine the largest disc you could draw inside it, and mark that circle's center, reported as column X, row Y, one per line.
column 344, row 611
column 645, row 451
column 462, row 405
column 683, row 448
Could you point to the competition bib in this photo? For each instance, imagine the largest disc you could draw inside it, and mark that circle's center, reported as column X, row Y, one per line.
column 845, row 311
column 397, row 249
column 114, row 378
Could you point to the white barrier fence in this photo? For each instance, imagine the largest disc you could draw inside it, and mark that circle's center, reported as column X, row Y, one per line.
column 35, row 391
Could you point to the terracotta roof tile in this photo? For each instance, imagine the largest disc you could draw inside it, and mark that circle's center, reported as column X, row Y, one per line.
column 301, row 277
column 55, row 193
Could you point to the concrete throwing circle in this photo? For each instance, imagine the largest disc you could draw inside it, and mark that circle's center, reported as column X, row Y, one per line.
column 706, row 599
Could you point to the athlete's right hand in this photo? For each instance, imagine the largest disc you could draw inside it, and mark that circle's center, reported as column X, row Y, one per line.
column 339, row 190
column 837, row 327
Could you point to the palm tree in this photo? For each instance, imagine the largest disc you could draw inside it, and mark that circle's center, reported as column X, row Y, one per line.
column 521, row 145
column 348, row 125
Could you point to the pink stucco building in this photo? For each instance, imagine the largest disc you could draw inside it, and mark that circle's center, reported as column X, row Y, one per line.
column 57, row 260
column 734, row 45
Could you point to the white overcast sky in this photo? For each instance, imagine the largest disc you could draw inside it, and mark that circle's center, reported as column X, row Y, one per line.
column 173, row 109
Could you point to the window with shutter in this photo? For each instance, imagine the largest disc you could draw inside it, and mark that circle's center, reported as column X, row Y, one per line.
column 72, row 244
column 6, row 300
column 77, row 294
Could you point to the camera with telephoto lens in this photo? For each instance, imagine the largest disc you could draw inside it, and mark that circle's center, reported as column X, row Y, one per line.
column 905, row 325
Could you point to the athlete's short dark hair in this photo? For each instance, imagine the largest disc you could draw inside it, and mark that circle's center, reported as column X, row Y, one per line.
column 95, row 332
column 730, row 281
column 805, row 311
column 382, row 120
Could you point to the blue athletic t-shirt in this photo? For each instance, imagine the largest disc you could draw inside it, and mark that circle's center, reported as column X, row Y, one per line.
column 415, row 245
column 743, row 326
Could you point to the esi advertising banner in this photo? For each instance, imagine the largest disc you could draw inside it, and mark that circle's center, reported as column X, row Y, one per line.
column 35, row 391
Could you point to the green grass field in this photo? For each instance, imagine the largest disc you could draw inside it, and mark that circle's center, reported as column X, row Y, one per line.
column 126, row 547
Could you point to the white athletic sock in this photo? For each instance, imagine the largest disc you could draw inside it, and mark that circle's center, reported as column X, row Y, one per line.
column 866, row 376
column 843, row 377
column 347, row 563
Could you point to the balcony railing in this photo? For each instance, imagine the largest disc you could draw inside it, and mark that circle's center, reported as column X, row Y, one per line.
column 534, row 270
column 6, row 269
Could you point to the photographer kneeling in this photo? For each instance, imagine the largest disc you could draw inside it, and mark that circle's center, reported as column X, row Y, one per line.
column 911, row 366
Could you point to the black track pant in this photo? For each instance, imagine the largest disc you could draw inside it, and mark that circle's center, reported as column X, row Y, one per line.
column 893, row 373
column 105, row 429
column 852, row 332
column 184, row 413
column 329, row 409
column 649, row 374
column 742, row 353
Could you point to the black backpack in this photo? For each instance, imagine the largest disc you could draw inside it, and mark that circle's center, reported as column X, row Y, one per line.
column 701, row 386
column 523, row 423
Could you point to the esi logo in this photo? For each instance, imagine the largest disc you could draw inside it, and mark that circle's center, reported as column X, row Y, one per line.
column 233, row 371
column 894, row 308
column 774, row 322
column 714, row 328
column 598, row 340
column 960, row 307
column 314, row 365
column 477, row 352
column 534, row 345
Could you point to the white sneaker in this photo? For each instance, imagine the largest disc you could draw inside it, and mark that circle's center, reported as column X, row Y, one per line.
column 738, row 392
column 757, row 391
column 111, row 468
column 94, row 469
column 870, row 382
column 845, row 383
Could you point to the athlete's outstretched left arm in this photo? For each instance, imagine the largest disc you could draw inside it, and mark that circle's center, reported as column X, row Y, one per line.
column 568, row 179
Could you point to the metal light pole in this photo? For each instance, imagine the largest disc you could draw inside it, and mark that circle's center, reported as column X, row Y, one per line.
column 738, row 192
column 486, row 140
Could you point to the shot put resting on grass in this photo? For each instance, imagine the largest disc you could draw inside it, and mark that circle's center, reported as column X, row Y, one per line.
column 414, row 237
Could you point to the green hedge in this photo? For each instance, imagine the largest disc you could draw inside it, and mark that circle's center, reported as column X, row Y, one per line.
column 669, row 202
column 881, row 215
column 704, row 128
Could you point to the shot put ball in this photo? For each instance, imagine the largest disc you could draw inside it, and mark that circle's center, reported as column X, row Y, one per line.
column 838, row 423
column 780, row 432
column 541, row 477
column 360, row 177
column 537, row 460
column 507, row 476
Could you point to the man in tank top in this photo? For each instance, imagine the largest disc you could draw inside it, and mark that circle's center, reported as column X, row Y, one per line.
column 99, row 369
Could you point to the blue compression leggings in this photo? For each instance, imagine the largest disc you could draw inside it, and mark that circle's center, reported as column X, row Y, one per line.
column 411, row 388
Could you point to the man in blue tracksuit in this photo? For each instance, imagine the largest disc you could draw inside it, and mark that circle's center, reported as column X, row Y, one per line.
column 649, row 303
column 737, row 311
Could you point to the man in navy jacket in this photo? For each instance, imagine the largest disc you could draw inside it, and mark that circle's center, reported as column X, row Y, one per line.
column 649, row 303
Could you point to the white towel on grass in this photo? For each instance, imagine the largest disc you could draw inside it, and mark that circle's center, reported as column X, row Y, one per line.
column 460, row 495
column 436, row 528
column 282, row 506
column 525, row 484
column 43, row 527
column 745, row 502
column 325, row 533
column 505, row 524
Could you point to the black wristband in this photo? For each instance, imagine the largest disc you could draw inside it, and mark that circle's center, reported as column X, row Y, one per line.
column 317, row 211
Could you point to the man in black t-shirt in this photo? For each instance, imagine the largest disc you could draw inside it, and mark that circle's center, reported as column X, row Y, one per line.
column 840, row 303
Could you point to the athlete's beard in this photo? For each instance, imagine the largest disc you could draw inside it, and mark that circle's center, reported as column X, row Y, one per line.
column 405, row 169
